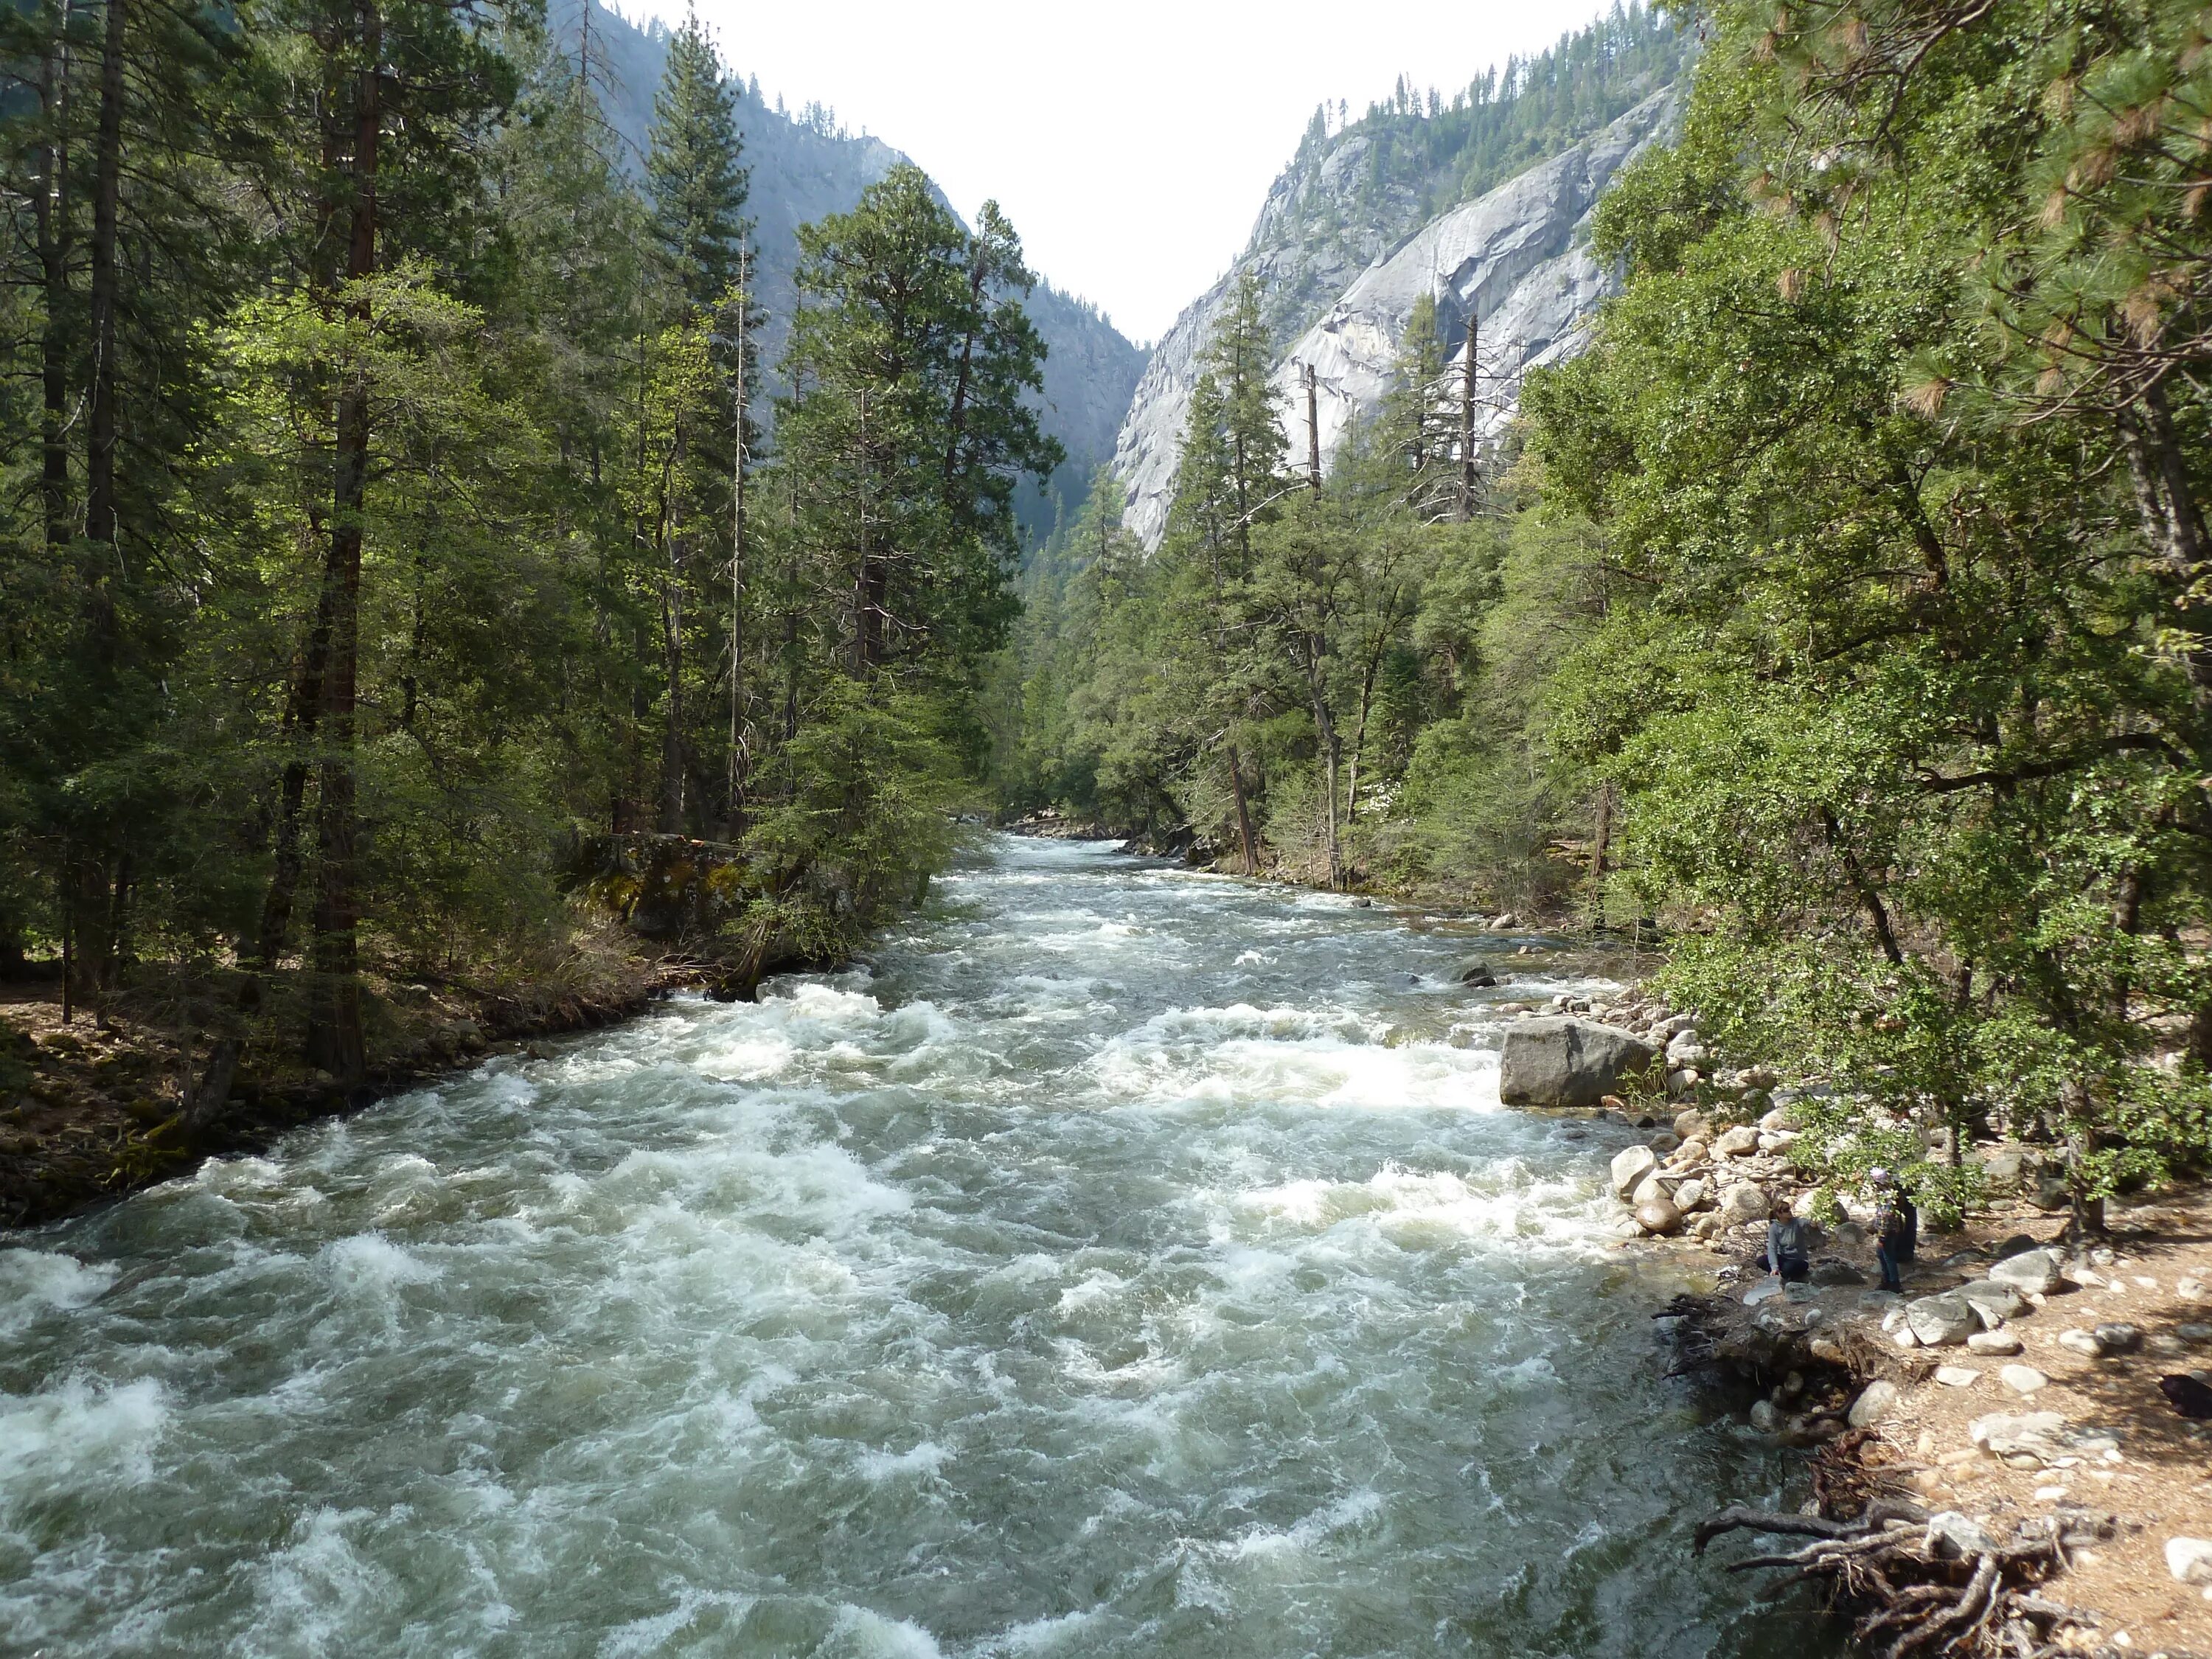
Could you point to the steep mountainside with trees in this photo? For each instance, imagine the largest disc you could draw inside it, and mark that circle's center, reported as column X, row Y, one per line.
column 1358, row 190
column 805, row 166
column 391, row 556
column 1843, row 609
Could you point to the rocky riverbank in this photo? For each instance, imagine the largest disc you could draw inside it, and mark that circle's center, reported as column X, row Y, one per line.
column 2009, row 1456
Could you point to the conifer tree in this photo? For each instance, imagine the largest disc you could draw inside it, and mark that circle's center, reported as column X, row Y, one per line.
column 695, row 173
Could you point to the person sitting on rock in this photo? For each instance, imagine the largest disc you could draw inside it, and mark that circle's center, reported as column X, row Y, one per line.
column 1896, row 1228
column 1788, row 1249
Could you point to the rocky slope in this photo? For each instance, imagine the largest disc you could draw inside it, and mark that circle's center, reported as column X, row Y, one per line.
column 1516, row 258
column 806, row 167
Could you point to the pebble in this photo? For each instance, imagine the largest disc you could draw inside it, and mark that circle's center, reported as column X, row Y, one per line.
column 2022, row 1379
column 2049, row 1494
column 2118, row 1337
column 1874, row 1403
column 1961, row 1376
column 2082, row 1342
column 1993, row 1342
column 2190, row 1559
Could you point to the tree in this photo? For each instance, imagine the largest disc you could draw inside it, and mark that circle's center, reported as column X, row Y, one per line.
column 694, row 171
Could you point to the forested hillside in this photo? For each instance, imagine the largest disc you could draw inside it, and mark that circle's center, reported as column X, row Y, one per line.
column 389, row 551
column 1843, row 609
column 807, row 165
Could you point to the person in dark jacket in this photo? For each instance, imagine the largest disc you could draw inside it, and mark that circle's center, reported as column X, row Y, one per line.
column 1788, row 1249
column 1896, row 1228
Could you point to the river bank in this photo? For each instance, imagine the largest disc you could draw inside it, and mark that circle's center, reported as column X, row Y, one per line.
column 90, row 1105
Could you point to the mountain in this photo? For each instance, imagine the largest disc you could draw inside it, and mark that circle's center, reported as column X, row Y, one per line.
column 1483, row 202
column 807, row 167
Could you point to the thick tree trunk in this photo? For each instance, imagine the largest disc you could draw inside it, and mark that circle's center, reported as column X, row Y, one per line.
column 1467, row 479
column 335, row 1038
column 1601, row 847
column 2172, row 522
column 51, row 217
column 671, row 657
column 107, row 192
column 1313, row 429
column 1243, row 813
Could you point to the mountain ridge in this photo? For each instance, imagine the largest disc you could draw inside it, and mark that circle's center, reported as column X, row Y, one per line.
column 806, row 166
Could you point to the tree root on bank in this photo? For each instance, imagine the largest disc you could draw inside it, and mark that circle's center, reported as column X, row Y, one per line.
column 1909, row 1591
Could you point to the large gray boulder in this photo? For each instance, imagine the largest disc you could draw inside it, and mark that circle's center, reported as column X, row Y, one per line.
column 1631, row 1167
column 1995, row 1300
column 1566, row 1061
column 2033, row 1273
column 1941, row 1321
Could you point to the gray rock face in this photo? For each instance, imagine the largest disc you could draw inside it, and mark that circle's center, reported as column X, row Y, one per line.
column 1566, row 1062
column 1739, row 1142
column 2033, row 1273
column 1517, row 259
column 1951, row 1535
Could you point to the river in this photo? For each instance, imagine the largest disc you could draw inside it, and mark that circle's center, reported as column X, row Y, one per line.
column 1127, row 1262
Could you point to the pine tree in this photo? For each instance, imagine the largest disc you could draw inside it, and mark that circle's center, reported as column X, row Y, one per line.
column 694, row 171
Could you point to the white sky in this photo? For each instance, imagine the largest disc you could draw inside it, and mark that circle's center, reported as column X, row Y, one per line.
column 1133, row 145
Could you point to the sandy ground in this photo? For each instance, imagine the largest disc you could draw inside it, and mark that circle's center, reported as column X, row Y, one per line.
column 2157, row 1483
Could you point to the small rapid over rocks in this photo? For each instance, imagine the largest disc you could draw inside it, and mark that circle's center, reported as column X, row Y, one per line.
column 1129, row 1262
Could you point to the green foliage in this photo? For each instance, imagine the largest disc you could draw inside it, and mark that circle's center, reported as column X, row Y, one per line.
column 1907, row 713
column 445, row 540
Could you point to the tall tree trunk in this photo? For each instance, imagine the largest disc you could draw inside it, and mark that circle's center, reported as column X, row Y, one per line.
column 51, row 216
column 2173, row 524
column 671, row 661
column 1243, row 813
column 736, row 810
column 1467, row 479
column 1313, row 429
column 302, row 713
column 1600, row 846
column 335, row 1038
column 1331, row 754
column 106, row 190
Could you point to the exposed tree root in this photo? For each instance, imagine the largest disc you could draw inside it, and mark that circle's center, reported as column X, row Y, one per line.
column 1910, row 1591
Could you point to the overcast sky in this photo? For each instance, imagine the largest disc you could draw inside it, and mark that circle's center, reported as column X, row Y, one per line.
column 1131, row 145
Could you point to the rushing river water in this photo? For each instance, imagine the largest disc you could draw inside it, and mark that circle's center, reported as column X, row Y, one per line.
column 1131, row 1263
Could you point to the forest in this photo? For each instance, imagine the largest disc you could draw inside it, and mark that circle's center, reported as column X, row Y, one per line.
column 393, row 546
column 404, row 571
column 1841, row 617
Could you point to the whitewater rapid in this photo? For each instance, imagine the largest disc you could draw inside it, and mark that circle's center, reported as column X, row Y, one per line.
column 1126, row 1262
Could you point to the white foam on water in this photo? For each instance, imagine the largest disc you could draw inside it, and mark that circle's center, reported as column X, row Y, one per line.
column 1352, row 1511
column 859, row 1633
column 34, row 1283
column 1039, row 1635
column 1120, row 1244
column 370, row 1266
column 928, row 1457
column 80, row 1433
column 313, row 1592
column 644, row 1636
